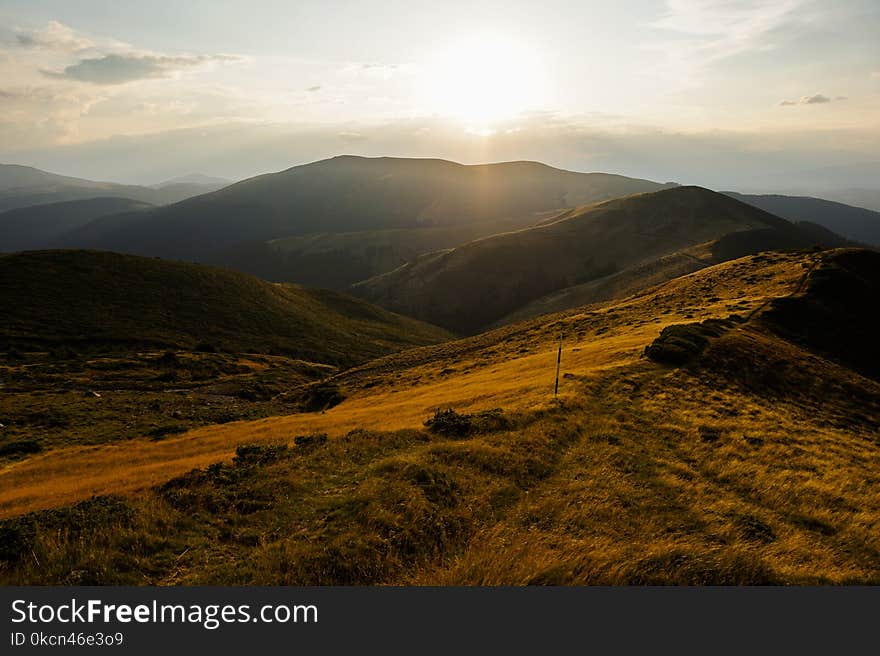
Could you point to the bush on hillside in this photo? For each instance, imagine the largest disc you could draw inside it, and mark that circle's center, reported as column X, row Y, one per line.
column 258, row 454
column 20, row 448
column 679, row 343
column 321, row 396
column 450, row 423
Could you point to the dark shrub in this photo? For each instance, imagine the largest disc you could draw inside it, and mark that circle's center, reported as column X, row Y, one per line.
column 321, row 396
column 709, row 433
column 259, row 454
column 168, row 359
column 20, row 448
column 63, row 353
column 161, row 432
column 489, row 421
column 14, row 354
column 316, row 439
column 679, row 343
column 450, row 423
column 17, row 537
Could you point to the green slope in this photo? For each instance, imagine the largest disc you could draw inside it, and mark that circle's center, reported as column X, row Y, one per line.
column 95, row 300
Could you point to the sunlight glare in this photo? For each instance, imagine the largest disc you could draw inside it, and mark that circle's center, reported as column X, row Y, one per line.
column 482, row 81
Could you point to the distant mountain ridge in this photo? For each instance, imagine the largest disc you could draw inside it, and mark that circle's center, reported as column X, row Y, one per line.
column 25, row 186
column 194, row 178
column 350, row 194
column 858, row 223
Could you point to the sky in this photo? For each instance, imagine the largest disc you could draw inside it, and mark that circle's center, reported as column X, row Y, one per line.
column 726, row 93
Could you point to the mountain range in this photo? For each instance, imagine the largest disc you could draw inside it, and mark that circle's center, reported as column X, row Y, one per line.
column 345, row 220
column 254, row 224
column 24, row 186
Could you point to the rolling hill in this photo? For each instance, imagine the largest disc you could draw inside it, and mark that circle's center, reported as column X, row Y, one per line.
column 478, row 284
column 336, row 260
column 25, row 186
column 99, row 301
column 752, row 459
column 38, row 226
column 353, row 194
column 856, row 223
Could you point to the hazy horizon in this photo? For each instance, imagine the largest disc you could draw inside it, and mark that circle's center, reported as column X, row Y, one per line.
column 769, row 96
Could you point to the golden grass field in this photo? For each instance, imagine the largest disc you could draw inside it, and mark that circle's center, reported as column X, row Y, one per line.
column 759, row 464
column 517, row 373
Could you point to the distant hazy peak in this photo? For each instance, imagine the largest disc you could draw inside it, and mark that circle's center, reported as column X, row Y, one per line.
column 194, row 178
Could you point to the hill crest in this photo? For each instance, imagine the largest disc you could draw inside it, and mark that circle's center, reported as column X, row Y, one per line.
column 99, row 300
column 479, row 283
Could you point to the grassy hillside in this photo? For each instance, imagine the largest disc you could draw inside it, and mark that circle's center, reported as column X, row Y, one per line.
column 99, row 348
column 657, row 271
column 336, row 260
column 36, row 226
column 477, row 284
column 352, row 194
column 617, row 285
column 855, row 223
column 92, row 300
column 753, row 460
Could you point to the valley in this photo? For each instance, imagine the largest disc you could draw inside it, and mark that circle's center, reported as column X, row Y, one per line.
column 752, row 461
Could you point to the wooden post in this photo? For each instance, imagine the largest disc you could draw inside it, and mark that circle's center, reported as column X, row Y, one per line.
column 558, row 361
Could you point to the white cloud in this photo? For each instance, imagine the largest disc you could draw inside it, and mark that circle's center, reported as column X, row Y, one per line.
column 814, row 99
column 701, row 32
column 56, row 36
column 119, row 69
column 60, row 86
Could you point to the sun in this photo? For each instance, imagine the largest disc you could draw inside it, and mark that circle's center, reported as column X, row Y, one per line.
column 482, row 81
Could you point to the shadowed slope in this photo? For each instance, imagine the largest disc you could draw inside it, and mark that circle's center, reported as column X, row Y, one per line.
column 857, row 223
column 477, row 284
column 37, row 226
column 95, row 300
column 349, row 194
